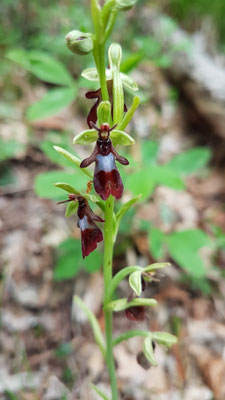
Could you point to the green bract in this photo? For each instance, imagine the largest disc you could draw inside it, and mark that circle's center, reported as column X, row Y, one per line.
column 79, row 42
column 91, row 74
column 125, row 5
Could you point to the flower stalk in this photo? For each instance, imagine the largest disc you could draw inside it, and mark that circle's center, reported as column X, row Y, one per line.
column 106, row 120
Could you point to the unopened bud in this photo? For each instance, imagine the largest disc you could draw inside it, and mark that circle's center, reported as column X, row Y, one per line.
column 79, row 42
column 125, row 5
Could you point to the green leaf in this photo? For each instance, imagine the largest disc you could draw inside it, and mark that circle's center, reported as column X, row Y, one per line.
column 98, row 391
column 141, row 182
column 71, row 208
column 129, row 82
column 69, row 258
column 191, row 160
column 9, row 149
column 49, row 69
column 67, row 187
column 47, row 147
column 44, row 183
column 164, row 338
column 19, row 56
column 86, row 137
column 121, row 138
column 44, row 66
column 94, row 324
column 149, row 351
column 123, row 304
column 53, row 101
column 75, row 160
column 93, row 262
column 149, row 152
column 104, row 112
column 163, row 175
column 184, row 246
column 156, row 241
column 135, row 282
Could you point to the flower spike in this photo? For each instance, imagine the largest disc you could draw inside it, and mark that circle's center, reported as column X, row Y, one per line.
column 90, row 232
column 107, row 179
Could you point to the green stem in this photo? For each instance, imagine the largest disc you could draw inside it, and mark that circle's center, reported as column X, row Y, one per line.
column 108, row 254
column 102, row 75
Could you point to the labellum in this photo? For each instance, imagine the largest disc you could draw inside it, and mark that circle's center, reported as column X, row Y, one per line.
column 107, row 179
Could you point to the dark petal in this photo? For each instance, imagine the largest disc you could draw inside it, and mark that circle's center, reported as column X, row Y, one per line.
column 94, row 217
column 89, row 238
column 135, row 313
column 89, row 160
column 92, row 115
column 120, row 159
column 142, row 361
column 94, row 94
column 107, row 183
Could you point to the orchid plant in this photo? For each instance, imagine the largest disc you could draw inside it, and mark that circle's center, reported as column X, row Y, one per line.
column 107, row 121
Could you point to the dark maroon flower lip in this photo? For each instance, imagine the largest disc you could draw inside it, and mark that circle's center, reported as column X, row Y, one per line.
column 135, row 313
column 107, row 179
column 91, row 235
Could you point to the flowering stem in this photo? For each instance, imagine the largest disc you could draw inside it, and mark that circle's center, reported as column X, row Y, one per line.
column 108, row 254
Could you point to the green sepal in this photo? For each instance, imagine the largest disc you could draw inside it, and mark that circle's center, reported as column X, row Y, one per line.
column 164, row 338
column 91, row 197
column 91, row 74
column 123, row 304
column 75, row 160
column 104, row 112
column 86, row 137
column 121, row 138
column 149, row 351
column 128, row 82
column 94, row 324
column 125, row 5
column 71, row 208
column 98, row 391
column 67, row 187
column 135, row 282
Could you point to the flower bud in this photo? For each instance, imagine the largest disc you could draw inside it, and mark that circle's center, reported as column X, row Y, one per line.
column 115, row 55
column 125, row 5
column 79, row 42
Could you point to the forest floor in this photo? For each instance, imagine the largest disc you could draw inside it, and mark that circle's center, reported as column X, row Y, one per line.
column 47, row 347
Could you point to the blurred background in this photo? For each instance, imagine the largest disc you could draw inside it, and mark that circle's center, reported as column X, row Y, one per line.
column 175, row 50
